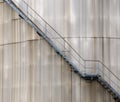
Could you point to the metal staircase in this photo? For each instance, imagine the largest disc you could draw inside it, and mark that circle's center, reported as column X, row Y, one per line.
column 86, row 69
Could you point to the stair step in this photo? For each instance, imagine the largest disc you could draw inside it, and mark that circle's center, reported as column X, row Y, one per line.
column 117, row 100
column 21, row 16
column 57, row 52
column 113, row 94
column 102, row 83
column 90, row 77
column 76, row 71
column 115, row 97
column 106, row 87
column 109, row 90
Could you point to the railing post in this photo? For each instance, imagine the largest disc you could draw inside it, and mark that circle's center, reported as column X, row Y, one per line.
column 27, row 10
column 85, row 67
column 97, row 68
column 45, row 28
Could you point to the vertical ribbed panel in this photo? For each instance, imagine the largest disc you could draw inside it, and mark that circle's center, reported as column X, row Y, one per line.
column 30, row 71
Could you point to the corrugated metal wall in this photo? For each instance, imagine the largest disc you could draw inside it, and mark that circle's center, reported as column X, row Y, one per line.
column 30, row 70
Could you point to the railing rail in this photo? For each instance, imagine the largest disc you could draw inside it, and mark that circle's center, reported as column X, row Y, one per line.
column 86, row 66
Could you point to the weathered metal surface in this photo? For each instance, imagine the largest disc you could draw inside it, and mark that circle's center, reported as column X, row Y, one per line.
column 25, row 32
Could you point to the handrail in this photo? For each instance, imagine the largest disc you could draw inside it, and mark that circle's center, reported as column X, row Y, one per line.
column 50, row 27
column 104, row 66
column 53, row 29
column 68, row 43
column 85, row 61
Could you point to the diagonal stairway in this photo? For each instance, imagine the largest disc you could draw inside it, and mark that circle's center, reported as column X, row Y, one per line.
column 84, row 68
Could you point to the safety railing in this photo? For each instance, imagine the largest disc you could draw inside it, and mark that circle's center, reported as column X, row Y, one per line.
column 86, row 66
column 106, row 74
